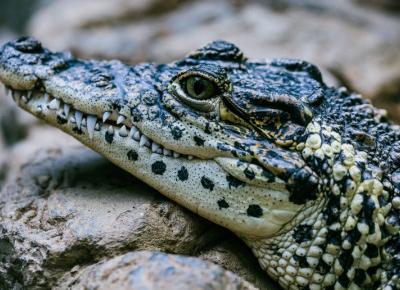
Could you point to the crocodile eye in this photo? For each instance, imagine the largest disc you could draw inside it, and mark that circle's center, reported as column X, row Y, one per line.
column 199, row 88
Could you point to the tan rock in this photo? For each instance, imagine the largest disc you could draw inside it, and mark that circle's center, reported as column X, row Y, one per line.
column 153, row 271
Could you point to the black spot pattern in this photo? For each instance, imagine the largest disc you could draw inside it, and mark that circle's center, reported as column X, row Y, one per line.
column 234, row 182
column 158, row 167
column 249, row 174
column 302, row 233
column 183, row 174
column 176, row 133
column 222, row 203
column 109, row 137
column 254, row 210
column 199, row 141
column 207, row 183
column 132, row 155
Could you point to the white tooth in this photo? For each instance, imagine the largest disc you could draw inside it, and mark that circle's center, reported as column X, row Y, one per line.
column 110, row 130
column 29, row 95
column 46, row 98
column 176, row 155
column 167, row 152
column 159, row 151
column 9, row 93
column 144, row 140
column 133, row 131
column 106, row 115
column 91, row 123
column 54, row 104
column 123, row 132
column 84, row 122
column 39, row 109
column 66, row 109
column 155, row 147
column 97, row 127
column 136, row 136
column 78, row 118
column 24, row 99
column 190, row 157
column 120, row 119
column 72, row 120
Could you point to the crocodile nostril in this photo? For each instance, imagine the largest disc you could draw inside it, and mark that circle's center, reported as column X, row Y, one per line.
column 28, row 45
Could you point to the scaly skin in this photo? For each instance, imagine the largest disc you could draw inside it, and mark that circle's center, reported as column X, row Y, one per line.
column 307, row 175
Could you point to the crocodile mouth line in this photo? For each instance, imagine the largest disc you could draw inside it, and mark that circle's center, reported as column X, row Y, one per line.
column 87, row 123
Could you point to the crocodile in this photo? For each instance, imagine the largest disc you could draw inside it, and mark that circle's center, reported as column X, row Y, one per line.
column 307, row 175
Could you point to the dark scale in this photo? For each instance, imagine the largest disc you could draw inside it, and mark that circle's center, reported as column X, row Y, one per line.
column 254, row 210
column 183, row 174
column 132, row 155
column 158, row 167
column 234, row 182
column 222, row 203
column 109, row 137
column 302, row 233
column 198, row 140
column 207, row 183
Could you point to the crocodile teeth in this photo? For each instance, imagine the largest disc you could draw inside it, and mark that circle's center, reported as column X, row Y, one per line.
column 190, row 157
column 133, row 131
column 24, row 99
column 123, row 132
column 54, row 104
column 144, row 141
column 46, row 98
column 106, row 115
column 136, row 136
column 97, row 127
column 9, row 92
column 66, row 109
column 155, row 147
column 84, row 122
column 167, row 152
column 120, row 119
column 110, row 130
column 78, row 118
column 72, row 120
column 91, row 123
column 176, row 155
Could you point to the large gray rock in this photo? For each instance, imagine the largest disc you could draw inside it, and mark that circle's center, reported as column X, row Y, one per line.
column 65, row 206
column 153, row 271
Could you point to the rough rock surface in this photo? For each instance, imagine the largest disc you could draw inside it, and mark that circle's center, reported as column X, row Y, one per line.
column 153, row 271
column 354, row 41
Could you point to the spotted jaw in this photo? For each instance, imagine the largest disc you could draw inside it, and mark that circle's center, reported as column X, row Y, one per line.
column 208, row 187
column 117, row 111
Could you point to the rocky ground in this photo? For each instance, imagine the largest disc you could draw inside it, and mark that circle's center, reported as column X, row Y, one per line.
column 69, row 219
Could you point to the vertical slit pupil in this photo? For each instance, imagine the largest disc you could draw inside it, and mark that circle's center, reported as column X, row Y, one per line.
column 198, row 86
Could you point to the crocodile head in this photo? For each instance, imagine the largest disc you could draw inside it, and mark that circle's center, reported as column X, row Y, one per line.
column 263, row 148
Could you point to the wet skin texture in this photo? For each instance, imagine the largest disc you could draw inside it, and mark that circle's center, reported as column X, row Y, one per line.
column 307, row 175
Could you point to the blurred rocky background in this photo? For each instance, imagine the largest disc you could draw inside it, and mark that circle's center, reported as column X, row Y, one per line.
column 71, row 220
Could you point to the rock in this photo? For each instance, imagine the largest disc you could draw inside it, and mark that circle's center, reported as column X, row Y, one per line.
column 153, row 271
column 356, row 43
column 66, row 207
